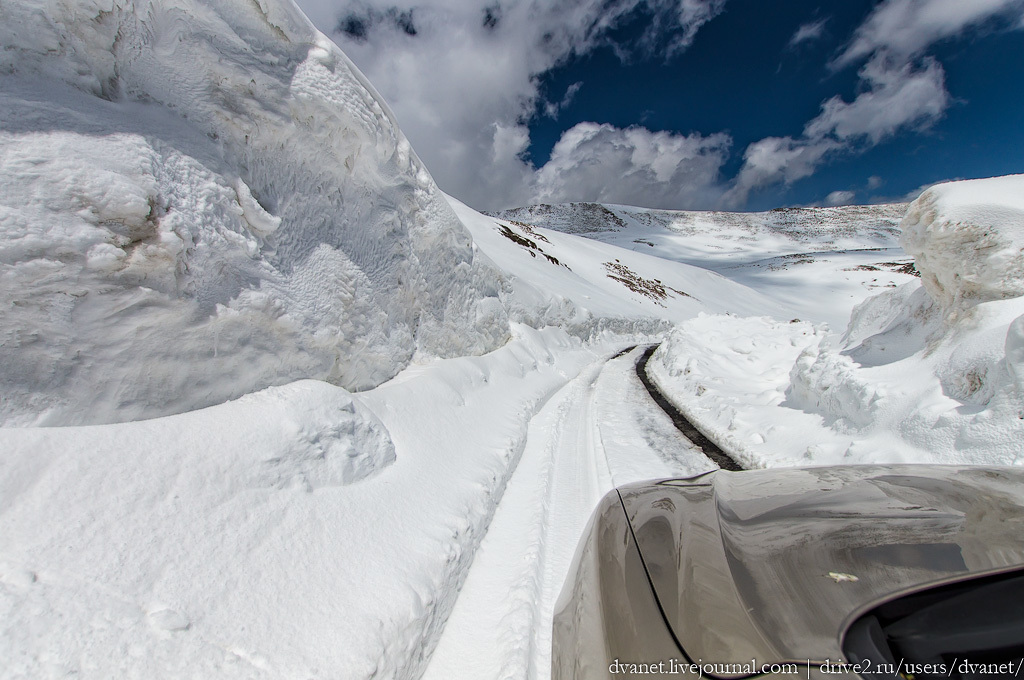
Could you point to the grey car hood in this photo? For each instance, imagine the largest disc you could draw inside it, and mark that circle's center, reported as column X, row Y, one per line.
column 772, row 565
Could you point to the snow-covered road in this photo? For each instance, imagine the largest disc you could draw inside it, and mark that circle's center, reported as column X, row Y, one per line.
column 712, row 450
column 599, row 431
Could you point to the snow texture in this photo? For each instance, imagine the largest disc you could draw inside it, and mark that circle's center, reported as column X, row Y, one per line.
column 596, row 433
column 297, row 532
column 211, row 225
column 198, row 200
column 928, row 371
column 842, row 254
column 967, row 239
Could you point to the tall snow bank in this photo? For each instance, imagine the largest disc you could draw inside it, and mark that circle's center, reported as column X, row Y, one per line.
column 297, row 532
column 198, row 200
column 929, row 371
column 938, row 362
column 967, row 240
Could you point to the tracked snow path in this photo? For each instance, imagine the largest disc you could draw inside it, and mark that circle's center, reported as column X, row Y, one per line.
column 599, row 431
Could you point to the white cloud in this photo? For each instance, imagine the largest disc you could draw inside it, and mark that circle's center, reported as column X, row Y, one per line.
column 840, row 198
column 901, row 89
column 461, row 75
column 509, row 142
column 899, row 96
column 874, row 182
column 808, row 32
column 635, row 166
column 905, row 28
column 551, row 109
column 777, row 159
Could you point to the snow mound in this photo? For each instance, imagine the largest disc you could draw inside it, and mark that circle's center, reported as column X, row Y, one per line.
column 244, row 540
column 330, row 442
column 183, row 538
column 929, row 371
column 967, row 240
column 951, row 389
column 200, row 200
column 730, row 374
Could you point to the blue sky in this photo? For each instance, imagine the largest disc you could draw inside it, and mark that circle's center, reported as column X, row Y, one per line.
column 701, row 104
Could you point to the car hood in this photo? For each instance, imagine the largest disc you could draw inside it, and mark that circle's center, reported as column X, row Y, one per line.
column 772, row 565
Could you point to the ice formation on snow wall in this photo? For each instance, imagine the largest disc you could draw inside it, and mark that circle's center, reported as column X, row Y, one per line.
column 201, row 199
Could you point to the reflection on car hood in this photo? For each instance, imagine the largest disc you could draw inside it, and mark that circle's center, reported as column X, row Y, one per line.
column 773, row 564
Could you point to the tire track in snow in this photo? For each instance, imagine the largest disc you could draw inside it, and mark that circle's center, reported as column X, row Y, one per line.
column 501, row 624
column 689, row 430
column 577, row 485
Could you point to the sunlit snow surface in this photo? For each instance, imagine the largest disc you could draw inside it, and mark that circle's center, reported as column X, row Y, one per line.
column 816, row 263
column 296, row 532
column 931, row 371
column 198, row 200
column 212, row 232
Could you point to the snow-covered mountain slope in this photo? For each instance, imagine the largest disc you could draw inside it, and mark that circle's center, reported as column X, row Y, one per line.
column 200, row 199
column 844, row 253
column 609, row 287
column 930, row 371
column 723, row 237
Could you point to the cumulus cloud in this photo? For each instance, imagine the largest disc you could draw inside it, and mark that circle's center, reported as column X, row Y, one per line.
column 634, row 165
column 808, row 32
column 462, row 75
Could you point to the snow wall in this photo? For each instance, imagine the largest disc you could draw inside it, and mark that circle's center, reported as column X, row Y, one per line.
column 929, row 372
column 199, row 199
column 967, row 240
column 940, row 363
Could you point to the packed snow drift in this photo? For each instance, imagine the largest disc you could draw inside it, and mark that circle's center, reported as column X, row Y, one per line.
column 297, row 532
column 198, row 200
column 929, row 371
column 213, row 233
column 206, row 216
column 968, row 241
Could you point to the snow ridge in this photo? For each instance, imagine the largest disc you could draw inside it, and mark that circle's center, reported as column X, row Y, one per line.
column 929, row 371
column 177, row 174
